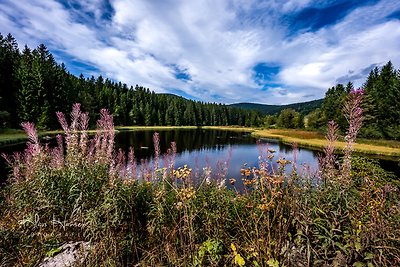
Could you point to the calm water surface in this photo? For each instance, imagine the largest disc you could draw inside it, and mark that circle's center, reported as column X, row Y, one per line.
column 200, row 148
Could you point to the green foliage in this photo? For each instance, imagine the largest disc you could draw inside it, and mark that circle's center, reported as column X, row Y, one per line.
column 209, row 253
column 288, row 118
column 4, row 118
column 315, row 119
column 270, row 121
column 9, row 61
column 333, row 103
column 380, row 106
column 303, row 108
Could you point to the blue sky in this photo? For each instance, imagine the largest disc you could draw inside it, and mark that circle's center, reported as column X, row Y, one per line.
column 271, row 52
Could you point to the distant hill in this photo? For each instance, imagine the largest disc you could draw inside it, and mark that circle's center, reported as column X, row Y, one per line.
column 304, row 107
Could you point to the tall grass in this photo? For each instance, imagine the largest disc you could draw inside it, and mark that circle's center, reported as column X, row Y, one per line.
column 165, row 215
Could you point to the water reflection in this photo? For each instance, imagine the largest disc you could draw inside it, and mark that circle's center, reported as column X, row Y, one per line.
column 212, row 148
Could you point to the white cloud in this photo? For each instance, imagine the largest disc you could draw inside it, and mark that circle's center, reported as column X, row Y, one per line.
column 217, row 43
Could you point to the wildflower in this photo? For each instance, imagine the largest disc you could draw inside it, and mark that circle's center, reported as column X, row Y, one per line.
column 221, row 184
column 179, row 205
column 182, row 173
column 247, row 182
column 156, row 141
column 358, row 91
column 207, row 174
column 354, row 115
column 186, row 194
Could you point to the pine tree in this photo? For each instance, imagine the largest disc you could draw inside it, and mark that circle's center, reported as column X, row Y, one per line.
column 9, row 84
column 30, row 77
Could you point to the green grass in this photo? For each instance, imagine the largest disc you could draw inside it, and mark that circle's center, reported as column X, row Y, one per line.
column 14, row 136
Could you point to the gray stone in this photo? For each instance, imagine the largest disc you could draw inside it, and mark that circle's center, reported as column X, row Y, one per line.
column 70, row 254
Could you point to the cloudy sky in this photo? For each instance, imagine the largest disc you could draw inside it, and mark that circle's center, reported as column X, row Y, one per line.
column 272, row 52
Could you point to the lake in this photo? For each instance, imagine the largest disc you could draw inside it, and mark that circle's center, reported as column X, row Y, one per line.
column 199, row 148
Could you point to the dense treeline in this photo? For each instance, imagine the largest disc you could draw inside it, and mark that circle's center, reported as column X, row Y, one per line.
column 381, row 107
column 303, row 108
column 381, row 103
column 34, row 86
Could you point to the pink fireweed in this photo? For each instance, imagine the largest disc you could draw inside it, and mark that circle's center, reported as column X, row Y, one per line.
column 327, row 162
column 132, row 163
column 354, row 116
column 156, row 142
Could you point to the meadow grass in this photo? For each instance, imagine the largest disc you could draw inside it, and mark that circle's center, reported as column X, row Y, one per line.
column 317, row 140
column 167, row 215
column 14, row 136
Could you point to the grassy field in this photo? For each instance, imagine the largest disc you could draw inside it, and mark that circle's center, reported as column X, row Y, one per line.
column 317, row 140
column 14, row 136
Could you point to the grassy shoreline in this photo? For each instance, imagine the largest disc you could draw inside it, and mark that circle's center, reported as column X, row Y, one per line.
column 15, row 137
column 316, row 140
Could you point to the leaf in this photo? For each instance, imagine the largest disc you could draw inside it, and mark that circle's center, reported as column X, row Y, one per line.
column 53, row 252
column 358, row 264
column 357, row 245
column 239, row 260
column 273, row 263
column 342, row 247
column 233, row 247
column 369, row 256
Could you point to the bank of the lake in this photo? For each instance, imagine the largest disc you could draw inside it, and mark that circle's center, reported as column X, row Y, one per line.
column 14, row 136
column 316, row 140
column 11, row 137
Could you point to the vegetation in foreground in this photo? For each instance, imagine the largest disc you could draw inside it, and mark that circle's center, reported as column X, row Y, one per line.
column 347, row 214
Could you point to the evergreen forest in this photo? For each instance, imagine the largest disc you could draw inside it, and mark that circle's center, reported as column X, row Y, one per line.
column 34, row 87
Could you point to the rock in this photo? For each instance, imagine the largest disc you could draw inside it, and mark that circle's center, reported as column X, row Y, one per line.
column 70, row 254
